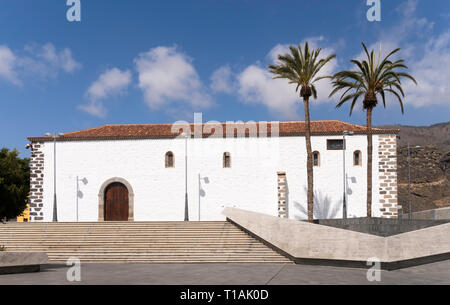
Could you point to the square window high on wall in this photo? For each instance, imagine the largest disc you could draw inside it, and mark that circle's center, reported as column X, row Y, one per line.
column 335, row 144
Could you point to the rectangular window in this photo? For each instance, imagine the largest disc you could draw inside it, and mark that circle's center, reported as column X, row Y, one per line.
column 335, row 144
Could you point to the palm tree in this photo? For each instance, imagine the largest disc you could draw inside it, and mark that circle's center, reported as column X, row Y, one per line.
column 370, row 80
column 301, row 67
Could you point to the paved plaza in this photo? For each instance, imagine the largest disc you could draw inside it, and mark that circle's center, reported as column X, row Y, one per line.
column 227, row 274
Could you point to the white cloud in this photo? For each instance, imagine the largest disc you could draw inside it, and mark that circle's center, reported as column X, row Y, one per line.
column 111, row 83
column 8, row 62
column 281, row 49
column 256, row 84
column 94, row 108
column 62, row 59
column 36, row 62
column 409, row 24
column 46, row 61
column 222, row 80
column 167, row 77
column 431, row 73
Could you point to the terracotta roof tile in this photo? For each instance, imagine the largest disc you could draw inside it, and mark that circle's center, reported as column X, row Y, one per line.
column 292, row 128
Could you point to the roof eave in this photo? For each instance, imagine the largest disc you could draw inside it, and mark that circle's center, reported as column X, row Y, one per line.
column 291, row 134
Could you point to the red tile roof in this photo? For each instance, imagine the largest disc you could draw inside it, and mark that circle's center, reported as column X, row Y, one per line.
column 167, row 131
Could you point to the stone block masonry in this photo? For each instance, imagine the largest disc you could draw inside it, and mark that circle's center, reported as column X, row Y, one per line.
column 282, row 206
column 387, row 168
column 36, row 197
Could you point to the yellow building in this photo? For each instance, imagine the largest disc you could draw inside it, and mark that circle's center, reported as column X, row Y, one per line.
column 25, row 217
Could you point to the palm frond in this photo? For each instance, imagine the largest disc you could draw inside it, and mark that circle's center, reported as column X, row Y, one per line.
column 371, row 78
column 398, row 97
column 300, row 67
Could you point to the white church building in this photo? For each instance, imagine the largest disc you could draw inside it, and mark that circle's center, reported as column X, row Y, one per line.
column 143, row 172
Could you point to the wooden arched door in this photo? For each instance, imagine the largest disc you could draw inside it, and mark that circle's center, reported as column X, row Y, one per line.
column 116, row 202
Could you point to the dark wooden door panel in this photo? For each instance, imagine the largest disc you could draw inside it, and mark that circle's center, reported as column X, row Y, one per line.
column 116, row 202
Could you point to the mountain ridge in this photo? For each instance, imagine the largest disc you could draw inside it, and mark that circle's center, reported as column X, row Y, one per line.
column 429, row 163
column 437, row 134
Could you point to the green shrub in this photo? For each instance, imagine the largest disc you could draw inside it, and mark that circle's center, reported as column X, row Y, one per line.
column 14, row 183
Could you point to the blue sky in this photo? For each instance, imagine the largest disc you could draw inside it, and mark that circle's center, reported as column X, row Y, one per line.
column 160, row 61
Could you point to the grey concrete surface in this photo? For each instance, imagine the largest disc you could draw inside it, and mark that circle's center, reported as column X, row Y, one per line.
column 303, row 240
column 12, row 259
column 227, row 274
column 381, row 226
column 21, row 262
column 436, row 214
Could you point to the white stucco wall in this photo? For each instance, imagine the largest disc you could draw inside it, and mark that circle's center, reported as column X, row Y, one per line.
column 251, row 183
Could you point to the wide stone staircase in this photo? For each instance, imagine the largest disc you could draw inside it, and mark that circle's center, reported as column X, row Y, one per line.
column 139, row 242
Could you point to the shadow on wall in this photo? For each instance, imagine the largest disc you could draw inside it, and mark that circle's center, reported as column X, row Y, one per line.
column 350, row 181
column 84, row 181
column 324, row 208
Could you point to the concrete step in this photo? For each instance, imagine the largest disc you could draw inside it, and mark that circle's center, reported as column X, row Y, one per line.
column 156, row 254
column 188, row 252
column 129, row 239
column 154, row 242
column 148, row 242
column 157, row 235
column 63, row 260
column 161, row 251
column 130, row 244
column 117, row 224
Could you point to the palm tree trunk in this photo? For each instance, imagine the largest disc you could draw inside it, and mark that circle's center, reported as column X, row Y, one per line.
column 369, row 162
column 309, row 162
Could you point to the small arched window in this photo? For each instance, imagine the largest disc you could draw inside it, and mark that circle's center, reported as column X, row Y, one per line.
column 226, row 160
column 316, row 158
column 357, row 158
column 170, row 160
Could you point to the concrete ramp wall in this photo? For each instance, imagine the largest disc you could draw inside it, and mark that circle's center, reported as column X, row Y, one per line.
column 435, row 214
column 307, row 243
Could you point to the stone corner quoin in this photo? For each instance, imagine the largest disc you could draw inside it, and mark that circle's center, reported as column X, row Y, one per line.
column 36, row 197
column 387, row 168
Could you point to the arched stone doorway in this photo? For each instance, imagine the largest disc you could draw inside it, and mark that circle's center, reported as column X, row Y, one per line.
column 116, row 201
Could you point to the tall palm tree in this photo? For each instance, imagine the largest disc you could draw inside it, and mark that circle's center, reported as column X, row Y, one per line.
column 371, row 79
column 301, row 67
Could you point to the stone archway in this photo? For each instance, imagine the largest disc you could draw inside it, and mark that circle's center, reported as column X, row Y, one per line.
column 101, row 198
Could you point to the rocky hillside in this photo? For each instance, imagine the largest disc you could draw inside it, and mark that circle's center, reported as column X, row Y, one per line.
column 430, row 166
column 430, row 177
column 438, row 135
